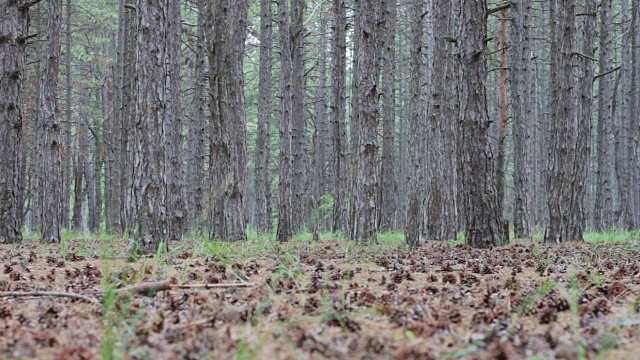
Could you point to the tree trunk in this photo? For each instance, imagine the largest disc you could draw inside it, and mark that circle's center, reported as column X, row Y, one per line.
column 174, row 170
column 228, row 120
column 603, row 206
column 320, row 135
column 569, row 125
column 521, row 112
column 623, row 130
column 298, row 118
column 634, row 146
column 366, row 91
column 441, row 206
column 264, row 223
column 67, row 144
column 340, row 154
column 285, row 216
column 14, row 27
column 197, row 126
column 79, row 192
column 389, row 187
column 416, row 174
column 51, row 225
column 151, row 127
column 504, row 116
column 483, row 221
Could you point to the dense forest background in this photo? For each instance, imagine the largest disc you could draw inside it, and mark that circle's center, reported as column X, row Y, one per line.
column 160, row 119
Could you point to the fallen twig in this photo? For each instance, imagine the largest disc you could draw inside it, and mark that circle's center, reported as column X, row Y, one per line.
column 212, row 286
column 146, row 288
column 49, row 294
column 149, row 288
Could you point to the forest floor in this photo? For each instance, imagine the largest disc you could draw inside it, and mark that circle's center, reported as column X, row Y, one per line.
column 326, row 299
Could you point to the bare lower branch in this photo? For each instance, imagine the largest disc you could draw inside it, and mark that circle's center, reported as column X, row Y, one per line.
column 499, row 7
column 607, row 72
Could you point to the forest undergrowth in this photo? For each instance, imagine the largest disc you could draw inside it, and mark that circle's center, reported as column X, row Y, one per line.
column 326, row 299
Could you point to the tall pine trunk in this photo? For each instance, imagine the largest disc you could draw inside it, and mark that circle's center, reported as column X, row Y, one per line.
column 388, row 185
column 521, row 112
column 366, row 117
column 264, row 222
column 14, row 27
column 340, row 153
column 49, row 114
column 228, row 164
column 483, row 221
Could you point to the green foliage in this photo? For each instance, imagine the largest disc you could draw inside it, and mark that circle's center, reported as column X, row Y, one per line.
column 613, row 235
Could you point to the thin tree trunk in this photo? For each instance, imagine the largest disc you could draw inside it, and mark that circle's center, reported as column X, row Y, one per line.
column 51, row 215
column 264, row 223
column 67, row 145
column 340, row 154
column 174, row 170
column 298, row 115
column 285, row 195
column 504, row 117
column 416, row 174
column 623, row 130
column 603, row 206
column 389, row 187
column 521, row 112
column 320, row 133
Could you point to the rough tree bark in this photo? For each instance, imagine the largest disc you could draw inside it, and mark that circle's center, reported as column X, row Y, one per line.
column 197, row 126
column 584, row 74
column 228, row 120
column 366, row 91
column 504, row 116
column 174, row 168
column 483, row 222
column 568, row 145
column 389, row 187
column 603, row 205
column 416, row 173
column 150, row 185
column 623, row 131
column 521, row 111
column 340, row 153
column 441, row 207
column 68, row 143
column 49, row 113
column 321, row 138
column 14, row 27
column 285, row 216
column 298, row 118
column 264, row 223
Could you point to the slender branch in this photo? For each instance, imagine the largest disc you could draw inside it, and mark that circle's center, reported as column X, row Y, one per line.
column 213, row 286
column 584, row 56
column 150, row 288
column 27, row 37
column 49, row 294
column 27, row 5
column 499, row 7
column 607, row 72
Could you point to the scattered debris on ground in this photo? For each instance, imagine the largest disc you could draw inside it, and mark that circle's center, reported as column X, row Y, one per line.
column 576, row 300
